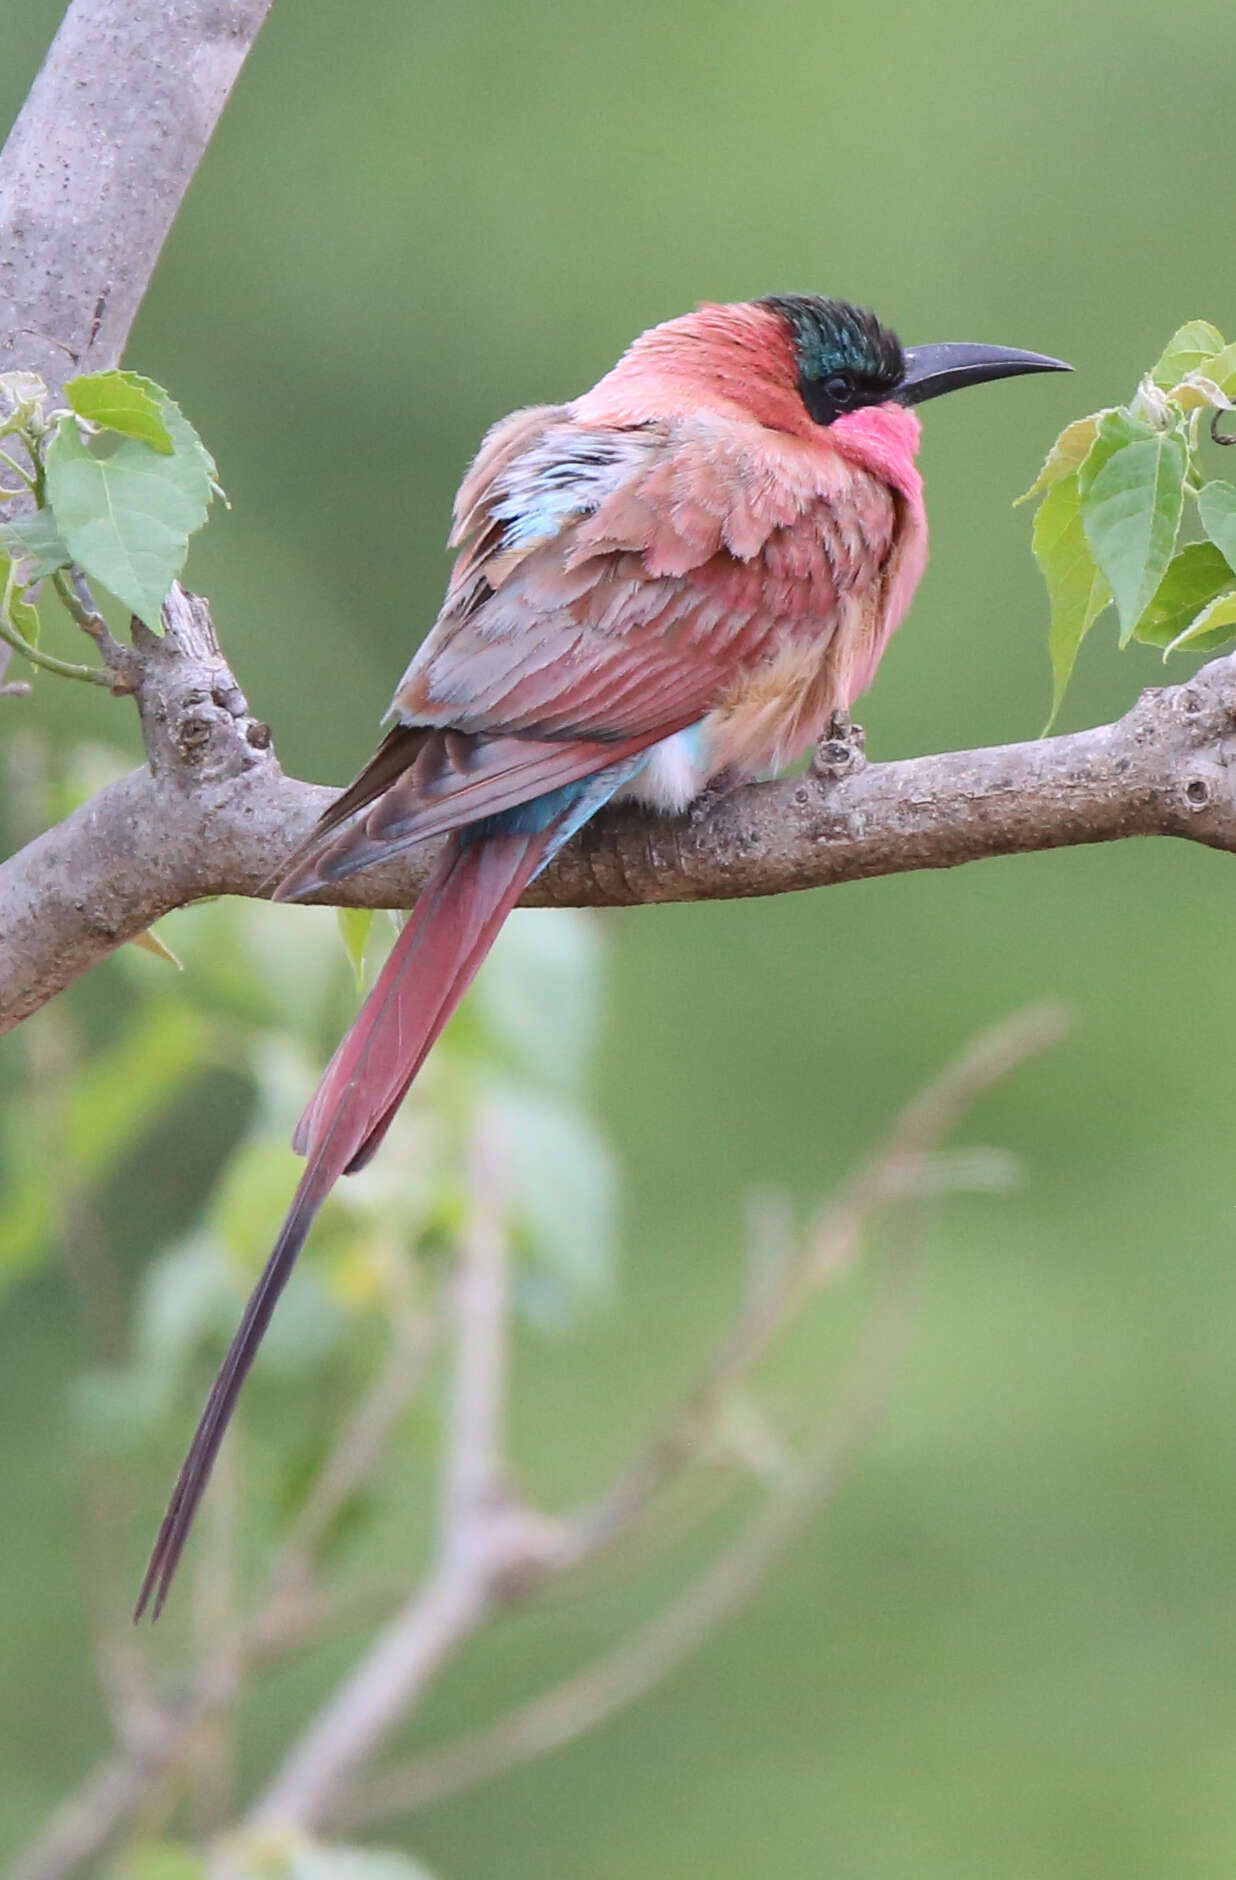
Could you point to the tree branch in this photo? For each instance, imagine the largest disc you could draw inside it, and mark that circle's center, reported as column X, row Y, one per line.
column 478, row 1533
column 214, row 814
column 95, row 168
column 899, row 1170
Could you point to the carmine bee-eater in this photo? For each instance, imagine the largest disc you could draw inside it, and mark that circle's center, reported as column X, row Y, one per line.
column 680, row 575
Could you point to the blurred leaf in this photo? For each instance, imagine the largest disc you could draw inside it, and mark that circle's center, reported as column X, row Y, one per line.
column 124, row 402
column 25, row 1219
column 1187, row 349
column 294, row 954
column 1195, row 576
column 35, row 540
column 1216, row 506
column 354, row 926
column 117, row 1093
column 21, row 614
column 1076, row 589
column 247, row 1211
column 158, row 1860
column 149, row 942
column 186, row 1298
column 322, row 1860
column 23, row 393
column 357, row 1278
column 88, row 768
column 1214, row 626
column 541, row 991
column 1132, row 498
column 1222, row 369
column 127, row 516
column 1066, row 455
column 266, row 1855
column 252, row 1198
column 564, row 1188
column 117, row 1410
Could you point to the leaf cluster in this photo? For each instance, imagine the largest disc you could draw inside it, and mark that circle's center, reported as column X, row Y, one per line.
column 119, row 481
column 1116, row 489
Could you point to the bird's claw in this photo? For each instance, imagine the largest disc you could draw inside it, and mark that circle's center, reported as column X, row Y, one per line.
column 722, row 785
column 841, row 751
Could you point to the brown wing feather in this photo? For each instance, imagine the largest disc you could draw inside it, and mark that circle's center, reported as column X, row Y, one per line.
column 424, row 783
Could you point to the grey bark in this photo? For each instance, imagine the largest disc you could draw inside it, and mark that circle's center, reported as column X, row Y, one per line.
column 214, row 814
column 90, row 181
column 95, row 168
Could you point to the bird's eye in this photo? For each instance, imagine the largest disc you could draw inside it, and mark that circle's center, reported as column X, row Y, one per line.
column 839, row 390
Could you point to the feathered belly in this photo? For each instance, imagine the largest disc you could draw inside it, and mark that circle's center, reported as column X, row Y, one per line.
column 771, row 713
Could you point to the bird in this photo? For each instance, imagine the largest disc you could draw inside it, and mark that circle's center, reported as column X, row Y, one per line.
column 675, row 579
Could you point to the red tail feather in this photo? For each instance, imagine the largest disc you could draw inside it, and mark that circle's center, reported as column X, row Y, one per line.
column 436, row 957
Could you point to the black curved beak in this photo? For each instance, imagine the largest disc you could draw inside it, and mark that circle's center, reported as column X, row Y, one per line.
column 931, row 370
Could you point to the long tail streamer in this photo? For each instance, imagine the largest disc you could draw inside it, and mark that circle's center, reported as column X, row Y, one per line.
column 435, row 959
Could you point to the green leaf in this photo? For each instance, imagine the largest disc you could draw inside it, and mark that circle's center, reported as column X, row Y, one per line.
column 118, row 1093
column 1222, row 369
column 1216, row 506
column 251, row 1198
column 127, row 516
column 1187, row 349
column 124, row 402
column 1067, row 454
column 261, row 1855
column 542, row 992
column 186, row 1297
column 158, row 1860
column 1197, row 575
column 1214, row 626
column 35, row 539
column 22, row 614
column 1076, row 588
column 1132, row 498
column 325, row 1860
column 564, row 1191
column 354, row 926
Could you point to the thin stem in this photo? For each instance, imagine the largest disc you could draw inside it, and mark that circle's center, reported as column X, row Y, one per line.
column 479, row 1533
column 74, row 591
column 64, row 668
column 31, row 482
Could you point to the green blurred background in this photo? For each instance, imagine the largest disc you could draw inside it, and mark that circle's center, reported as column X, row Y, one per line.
column 1008, row 1652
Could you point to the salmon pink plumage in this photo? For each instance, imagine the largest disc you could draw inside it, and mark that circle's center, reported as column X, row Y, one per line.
column 681, row 574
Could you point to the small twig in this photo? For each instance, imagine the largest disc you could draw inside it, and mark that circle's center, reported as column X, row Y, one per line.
column 476, row 1534
column 491, row 1549
column 79, row 603
column 830, row 1245
column 218, row 1651
column 643, row 1660
column 64, row 668
column 28, row 480
column 83, row 1823
column 319, row 1781
column 356, row 1453
column 162, row 1746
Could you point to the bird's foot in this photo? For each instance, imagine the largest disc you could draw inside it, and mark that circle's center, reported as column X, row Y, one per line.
column 722, row 785
column 841, row 751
